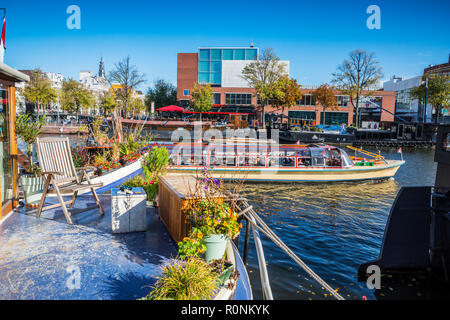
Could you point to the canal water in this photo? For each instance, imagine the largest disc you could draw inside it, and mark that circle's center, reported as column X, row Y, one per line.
column 333, row 227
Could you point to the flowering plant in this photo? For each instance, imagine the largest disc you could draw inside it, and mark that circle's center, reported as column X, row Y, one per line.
column 207, row 214
column 213, row 216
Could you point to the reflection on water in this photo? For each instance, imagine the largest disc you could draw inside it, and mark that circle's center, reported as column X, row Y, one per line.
column 333, row 227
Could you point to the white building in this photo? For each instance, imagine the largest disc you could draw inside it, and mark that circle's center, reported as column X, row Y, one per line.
column 405, row 106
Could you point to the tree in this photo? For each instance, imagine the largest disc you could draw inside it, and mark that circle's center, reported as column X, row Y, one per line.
column 137, row 106
column 129, row 77
column 163, row 94
column 262, row 75
column 74, row 97
column 438, row 93
column 358, row 73
column 39, row 90
column 324, row 95
column 287, row 93
column 107, row 103
column 202, row 98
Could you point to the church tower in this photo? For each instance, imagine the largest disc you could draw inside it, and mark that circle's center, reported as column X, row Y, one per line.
column 101, row 69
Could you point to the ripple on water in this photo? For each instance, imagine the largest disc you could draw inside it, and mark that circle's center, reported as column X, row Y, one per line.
column 333, row 227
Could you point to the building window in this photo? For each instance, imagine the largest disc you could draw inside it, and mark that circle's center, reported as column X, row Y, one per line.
column 216, row 98
column 334, row 118
column 303, row 115
column 210, row 62
column 342, row 101
column 186, row 92
column 204, row 54
column 238, row 98
column 307, row 100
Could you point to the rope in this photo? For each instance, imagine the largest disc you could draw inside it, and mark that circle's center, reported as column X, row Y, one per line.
column 248, row 212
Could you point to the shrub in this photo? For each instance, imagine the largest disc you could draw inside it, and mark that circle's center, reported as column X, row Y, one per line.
column 191, row 279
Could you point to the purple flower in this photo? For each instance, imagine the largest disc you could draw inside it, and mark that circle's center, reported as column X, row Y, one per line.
column 217, row 182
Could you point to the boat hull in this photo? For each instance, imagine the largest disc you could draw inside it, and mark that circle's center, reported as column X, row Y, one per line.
column 285, row 174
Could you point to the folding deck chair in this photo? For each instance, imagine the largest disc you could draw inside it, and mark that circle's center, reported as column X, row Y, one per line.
column 58, row 171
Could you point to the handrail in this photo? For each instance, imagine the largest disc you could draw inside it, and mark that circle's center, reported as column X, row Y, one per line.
column 265, row 284
column 252, row 217
column 367, row 153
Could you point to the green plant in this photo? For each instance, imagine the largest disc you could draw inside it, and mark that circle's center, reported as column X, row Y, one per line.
column 191, row 246
column 150, row 187
column 191, row 279
column 209, row 215
column 28, row 130
column 155, row 162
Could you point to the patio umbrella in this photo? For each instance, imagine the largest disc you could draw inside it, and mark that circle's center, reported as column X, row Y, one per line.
column 171, row 108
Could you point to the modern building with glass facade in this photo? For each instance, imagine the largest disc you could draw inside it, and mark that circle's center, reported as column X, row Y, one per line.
column 8, row 141
column 221, row 67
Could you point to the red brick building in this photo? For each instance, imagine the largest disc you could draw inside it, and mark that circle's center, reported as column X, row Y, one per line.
column 221, row 68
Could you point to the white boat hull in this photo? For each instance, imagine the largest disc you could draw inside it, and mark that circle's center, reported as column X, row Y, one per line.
column 304, row 174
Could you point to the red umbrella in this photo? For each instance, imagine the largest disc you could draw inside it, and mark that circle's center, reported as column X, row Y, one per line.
column 171, row 109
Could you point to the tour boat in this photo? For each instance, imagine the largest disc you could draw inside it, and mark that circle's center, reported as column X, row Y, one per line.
column 271, row 162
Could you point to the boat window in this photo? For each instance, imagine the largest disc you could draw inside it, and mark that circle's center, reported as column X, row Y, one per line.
column 333, row 158
column 303, row 157
column 317, row 157
column 346, row 161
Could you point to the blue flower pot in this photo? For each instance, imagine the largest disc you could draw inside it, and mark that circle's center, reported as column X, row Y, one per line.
column 215, row 246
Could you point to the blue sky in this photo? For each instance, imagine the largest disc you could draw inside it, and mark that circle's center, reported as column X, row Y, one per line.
column 316, row 36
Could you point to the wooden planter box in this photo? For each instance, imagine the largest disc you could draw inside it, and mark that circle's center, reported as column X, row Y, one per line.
column 173, row 192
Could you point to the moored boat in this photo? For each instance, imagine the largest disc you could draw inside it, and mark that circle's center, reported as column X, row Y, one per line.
column 278, row 163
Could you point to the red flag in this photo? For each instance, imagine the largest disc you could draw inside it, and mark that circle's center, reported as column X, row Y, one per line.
column 2, row 41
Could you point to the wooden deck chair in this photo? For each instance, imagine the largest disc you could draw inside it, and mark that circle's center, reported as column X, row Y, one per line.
column 61, row 177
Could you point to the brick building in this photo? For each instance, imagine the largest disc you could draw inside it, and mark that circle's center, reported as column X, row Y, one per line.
column 222, row 68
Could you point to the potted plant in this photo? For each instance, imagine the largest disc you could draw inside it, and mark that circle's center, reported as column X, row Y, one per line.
column 32, row 183
column 190, row 279
column 216, row 222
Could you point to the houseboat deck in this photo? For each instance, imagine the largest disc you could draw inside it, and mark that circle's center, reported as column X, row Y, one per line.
column 40, row 257
column 37, row 256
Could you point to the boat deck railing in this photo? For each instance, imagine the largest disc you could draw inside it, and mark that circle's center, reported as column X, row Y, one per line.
column 246, row 211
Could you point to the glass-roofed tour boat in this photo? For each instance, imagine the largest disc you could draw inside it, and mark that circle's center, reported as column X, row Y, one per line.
column 256, row 160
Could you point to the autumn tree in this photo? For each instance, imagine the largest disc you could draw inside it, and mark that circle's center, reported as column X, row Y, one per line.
column 325, row 96
column 360, row 72
column 286, row 94
column 437, row 93
column 129, row 77
column 74, row 97
column 39, row 90
column 107, row 103
column 137, row 106
column 263, row 75
column 202, row 98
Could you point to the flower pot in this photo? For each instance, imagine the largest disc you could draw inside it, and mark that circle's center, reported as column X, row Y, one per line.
column 32, row 187
column 215, row 246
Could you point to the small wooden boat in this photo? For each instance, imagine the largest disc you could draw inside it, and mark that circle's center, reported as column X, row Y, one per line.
column 278, row 163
